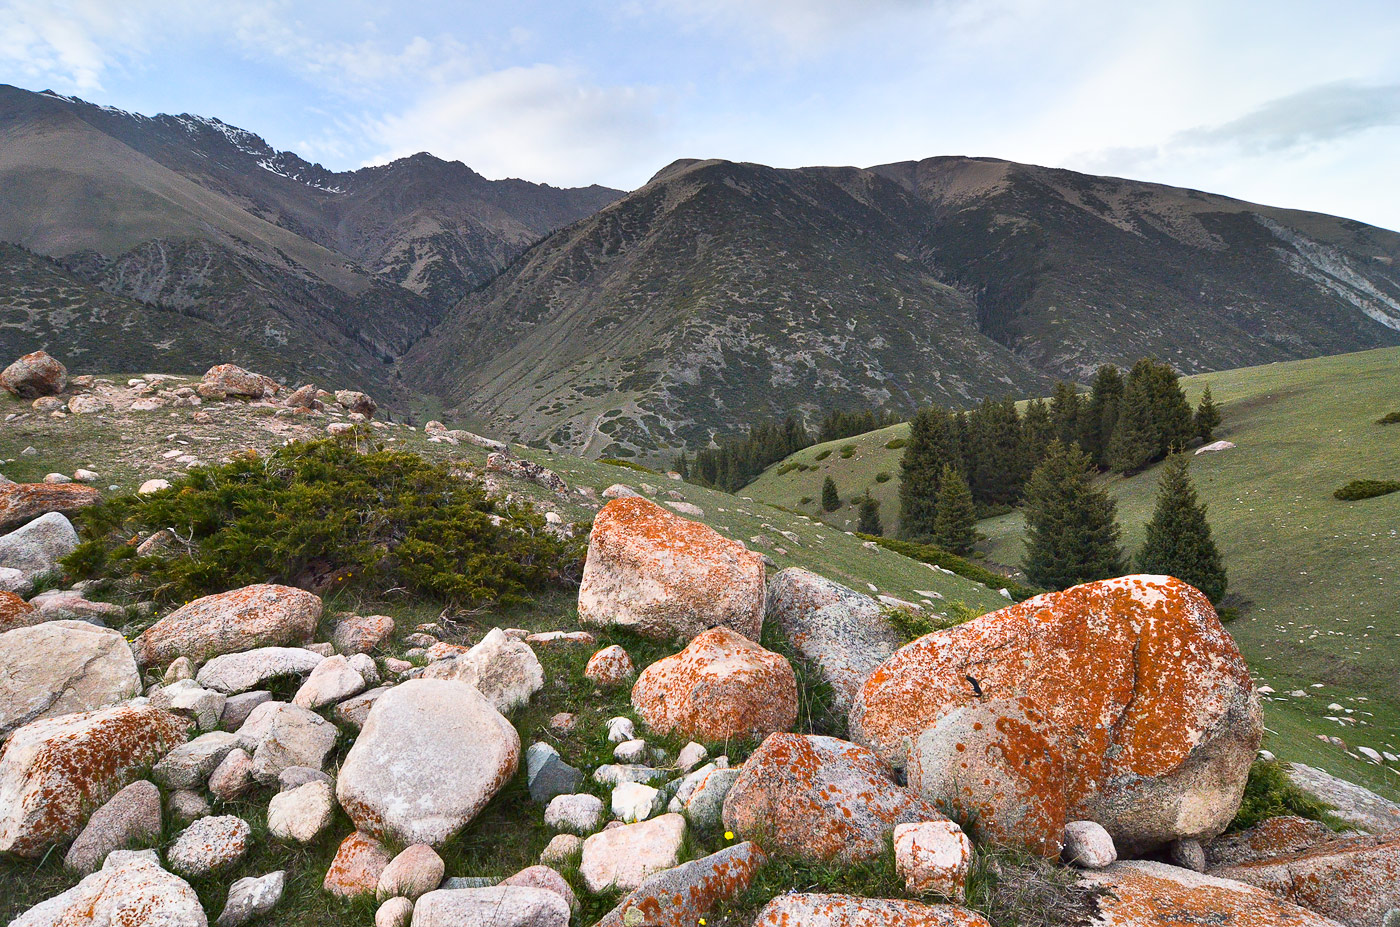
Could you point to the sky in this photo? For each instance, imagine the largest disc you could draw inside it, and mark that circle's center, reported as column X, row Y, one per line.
column 1287, row 103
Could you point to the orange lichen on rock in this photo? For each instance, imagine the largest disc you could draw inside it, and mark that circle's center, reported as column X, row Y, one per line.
column 1148, row 894
column 262, row 615
column 1269, row 838
column 820, row 798
column 15, row 612
column 1355, row 881
column 802, row 910
column 21, row 502
column 1144, row 694
column 664, row 576
column 681, row 896
column 721, row 685
column 56, row 771
column 357, row 866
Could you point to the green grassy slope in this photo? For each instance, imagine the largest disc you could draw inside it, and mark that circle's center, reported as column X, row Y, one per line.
column 1314, row 578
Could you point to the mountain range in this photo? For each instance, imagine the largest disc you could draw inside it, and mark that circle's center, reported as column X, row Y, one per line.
column 626, row 324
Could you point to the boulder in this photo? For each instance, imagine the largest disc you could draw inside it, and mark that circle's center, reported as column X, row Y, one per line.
column 525, row 470
column 1354, row 881
column 811, row 910
column 416, row 871
column 232, row 673
column 34, row 375
column 577, row 813
column 632, row 802
column 623, row 857
column 704, row 808
column 684, row 895
column 1269, row 839
column 130, row 817
column 1088, row 845
column 188, row 766
column 261, row 615
column 300, row 814
column 238, row 707
column 232, row 776
column 188, row 805
column 55, row 771
column 188, row 699
column 933, row 856
column 361, row 633
column 357, row 865
column 34, row 550
column 209, row 844
column 501, row 668
column 280, row 735
column 610, row 666
column 16, row 613
column 1151, row 894
column 1357, row 806
column 431, row 755
column 72, row 606
column 231, row 380
column 130, row 889
column 332, row 680
column 303, row 397
column 61, row 667
column 497, row 906
column 1157, row 749
column 252, row 897
column 821, row 799
column 23, row 502
column 666, row 577
column 354, row 401
column 840, row 631
column 721, row 685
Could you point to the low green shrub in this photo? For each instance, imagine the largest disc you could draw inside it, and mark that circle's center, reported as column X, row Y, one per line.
column 1268, row 793
column 1366, row 489
column 894, row 444
column 806, row 500
column 788, row 467
column 847, row 451
column 628, row 464
column 1390, row 418
column 882, row 477
column 323, row 515
column 927, row 553
column 823, row 455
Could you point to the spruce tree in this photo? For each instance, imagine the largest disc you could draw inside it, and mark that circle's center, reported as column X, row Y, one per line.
column 870, row 516
column 929, row 447
column 1207, row 416
column 1037, row 431
column 954, row 528
column 1171, row 413
column 830, row 500
column 1072, row 533
column 1133, row 444
column 1100, row 415
column 1178, row 539
column 999, row 460
column 1066, row 407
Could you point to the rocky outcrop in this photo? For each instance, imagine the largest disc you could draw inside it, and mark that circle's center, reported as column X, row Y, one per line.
column 431, row 755
column 1353, row 881
column 721, row 685
column 34, row 375
column 131, row 889
column 55, row 771
column 1357, row 806
column 821, row 799
column 262, row 615
column 665, row 577
column 839, row 630
column 1157, row 748
column 1150, row 894
column 224, row 380
column 23, row 502
column 61, row 667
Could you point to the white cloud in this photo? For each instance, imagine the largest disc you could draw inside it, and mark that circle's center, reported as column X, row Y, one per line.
column 542, row 122
column 72, row 42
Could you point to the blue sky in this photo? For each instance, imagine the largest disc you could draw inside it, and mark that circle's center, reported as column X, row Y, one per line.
column 1287, row 103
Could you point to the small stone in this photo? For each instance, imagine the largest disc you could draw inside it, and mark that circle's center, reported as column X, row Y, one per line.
column 354, row 711
column 232, row 776
column 189, row 765
column 630, row 751
column 295, row 776
column 579, row 813
column 357, row 866
column 562, row 849
column 497, row 906
column 933, row 856
column 562, row 724
column 620, row 729
column 252, row 897
column 613, row 774
column 208, row 845
column 547, row 775
column 414, row 872
column 691, row 756
column 132, row 816
column 633, row 802
column 1088, row 845
column 361, row 633
column 1188, row 854
column 396, row 912
column 302, row 813
column 187, row 805
column 239, row 672
column 610, row 666
column 152, row 486
column 179, row 668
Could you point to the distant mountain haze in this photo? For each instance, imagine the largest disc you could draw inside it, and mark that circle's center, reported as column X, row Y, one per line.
column 617, row 324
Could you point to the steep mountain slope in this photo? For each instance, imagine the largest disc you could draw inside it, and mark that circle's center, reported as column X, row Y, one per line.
column 717, row 293
column 720, row 293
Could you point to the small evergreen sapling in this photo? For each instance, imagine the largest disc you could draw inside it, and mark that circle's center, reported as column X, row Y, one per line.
column 831, row 500
column 1207, row 416
column 870, row 516
column 1178, row 536
column 954, row 527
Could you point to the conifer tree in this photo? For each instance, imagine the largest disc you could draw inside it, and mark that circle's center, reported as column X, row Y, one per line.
column 1066, row 407
column 1207, row 416
column 1072, row 533
column 1100, row 415
column 929, row 447
column 830, row 500
column 1178, row 541
column 954, row 528
column 1171, row 413
column 998, row 475
column 1134, row 441
column 870, row 516
column 1037, row 431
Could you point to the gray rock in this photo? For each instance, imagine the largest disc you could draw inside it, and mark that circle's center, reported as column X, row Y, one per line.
column 302, row 813
column 704, row 809
column 1088, row 846
column 294, row 776
column 841, row 631
column 187, row 698
column 231, row 673
column 501, row 668
column 252, row 897
column 36, row 548
column 613, row 774
column 188, row 805
column 238, row 707
column 72, row 606
column 498, row 906
column 621, row 729
column 364, row 664
column 1359, row 807
column 131, row 816
column 281, row 735
column 431, row 755
column 61, row 667
column 209, row 844
column 547, row 775
column 131, row 888
column 579, row 813
column 188, row 766
column 547, row 879
column 459, row 882
column 1188, row 854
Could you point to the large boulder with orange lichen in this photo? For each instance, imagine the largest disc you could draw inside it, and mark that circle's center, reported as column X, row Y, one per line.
column 22, row 502
column 1352, row 880
column 721, row 685
column 231, row 380
column 16, row 613
column 820, row 798
column 34, row 375
column 1143, row 695
column 811, row 910
column 432, row 753
column 683, row 895
column 262, row 615
column 54, row 772
column 1272, row 837
column 1150, row 894
column 663, row 576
